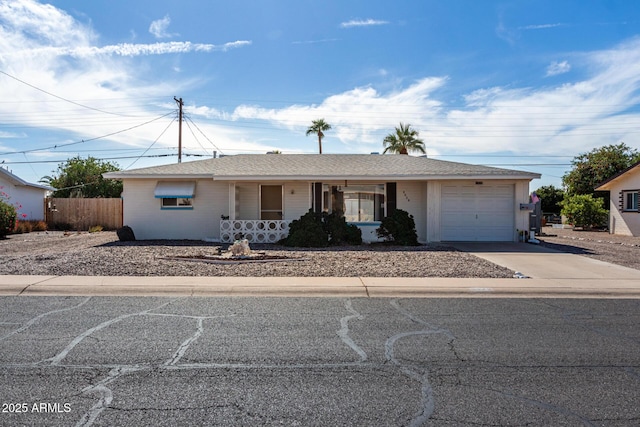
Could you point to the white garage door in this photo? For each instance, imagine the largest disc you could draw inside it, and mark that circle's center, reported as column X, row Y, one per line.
column 477, row 212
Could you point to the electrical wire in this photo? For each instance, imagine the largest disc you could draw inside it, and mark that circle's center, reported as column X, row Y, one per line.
column 203, row 134
column 145, row 151
column 60, row 97
column 85, row 140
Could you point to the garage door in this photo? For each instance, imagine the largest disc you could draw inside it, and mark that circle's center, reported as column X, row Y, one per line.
column 477, row 212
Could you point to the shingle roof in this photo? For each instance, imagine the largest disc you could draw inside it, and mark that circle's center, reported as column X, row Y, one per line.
column 322, row 166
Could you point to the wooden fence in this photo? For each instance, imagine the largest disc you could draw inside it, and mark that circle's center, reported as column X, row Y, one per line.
column 81, row 214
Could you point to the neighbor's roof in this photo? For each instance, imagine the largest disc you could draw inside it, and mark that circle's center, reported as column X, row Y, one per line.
column 246, row 167
column 606, row 185
column 16, row 180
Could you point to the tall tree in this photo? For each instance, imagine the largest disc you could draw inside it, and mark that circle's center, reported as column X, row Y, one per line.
column 598, row 165
column 318, row 127
column 79, row 177
column 403, row 141
column 550, row 198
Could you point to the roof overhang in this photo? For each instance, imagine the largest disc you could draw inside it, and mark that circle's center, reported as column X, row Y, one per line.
column 316, row 178
column 606, row 186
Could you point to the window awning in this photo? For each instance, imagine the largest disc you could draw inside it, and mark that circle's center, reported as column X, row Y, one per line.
column 175, row 189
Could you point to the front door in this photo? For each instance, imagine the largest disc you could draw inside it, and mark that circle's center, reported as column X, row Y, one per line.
column 271, row 202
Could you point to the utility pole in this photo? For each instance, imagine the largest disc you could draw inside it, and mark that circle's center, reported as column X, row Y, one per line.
column 180, row 104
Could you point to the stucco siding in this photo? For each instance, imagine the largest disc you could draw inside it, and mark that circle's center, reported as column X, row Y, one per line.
column 621, row 222
column 412, row 197
column 297, row 199
column 28, row 201
column 143, row 212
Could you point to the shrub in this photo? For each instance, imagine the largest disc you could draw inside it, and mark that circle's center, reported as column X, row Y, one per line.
column 335, row 225
column 95, row 229
column 39, row 225
column 23, row 227
column 399, row 228
column 316, row 230
column 582, row 210
column 307, row 232
column 8, row 218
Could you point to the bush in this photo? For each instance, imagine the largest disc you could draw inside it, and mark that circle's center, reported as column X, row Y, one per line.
column 8, row 218
column 23, row 227
column 95, row 229
column 335, row 225
column 399, row 228
column 39, row 225
column 307, row 232
column 316, row 230
column 582, row 210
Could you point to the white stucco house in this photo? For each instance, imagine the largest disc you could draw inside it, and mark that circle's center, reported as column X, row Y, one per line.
column 259, row 195
column 623, row 188
column 26, row 197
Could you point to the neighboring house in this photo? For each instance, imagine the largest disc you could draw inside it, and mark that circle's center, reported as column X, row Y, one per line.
column 623, row 188
column 258, row 195
column 27, row 198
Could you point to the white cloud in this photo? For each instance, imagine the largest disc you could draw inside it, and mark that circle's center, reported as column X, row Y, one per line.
column 362, row 23
column 159, row 28
column 359, row 116
column 41, row 45
column 556, row 68
column 130, row 49
column 541, row 26
column 562, row 120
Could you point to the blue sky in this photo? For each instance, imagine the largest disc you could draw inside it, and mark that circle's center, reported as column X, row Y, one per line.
column 520, row 84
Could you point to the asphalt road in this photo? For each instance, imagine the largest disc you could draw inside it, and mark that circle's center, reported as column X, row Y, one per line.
column 110, row 361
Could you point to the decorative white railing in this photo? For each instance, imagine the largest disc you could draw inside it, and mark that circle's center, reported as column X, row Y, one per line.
column 255, row 231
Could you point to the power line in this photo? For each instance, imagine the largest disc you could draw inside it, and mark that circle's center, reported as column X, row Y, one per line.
column 108, row 158
column 60, row 97
column 53, row 147
column 152, row 144
column 203, row 134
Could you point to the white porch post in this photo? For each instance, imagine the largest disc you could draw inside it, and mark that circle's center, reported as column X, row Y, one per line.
column 232, row 201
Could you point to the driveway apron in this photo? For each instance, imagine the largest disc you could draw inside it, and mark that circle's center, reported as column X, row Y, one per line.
column 539, row 262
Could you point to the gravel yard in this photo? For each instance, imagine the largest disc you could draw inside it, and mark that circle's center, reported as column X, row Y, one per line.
column 621, row 250
column 101, row 254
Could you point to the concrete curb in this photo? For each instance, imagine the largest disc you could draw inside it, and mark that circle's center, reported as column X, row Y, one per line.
column 365, row 287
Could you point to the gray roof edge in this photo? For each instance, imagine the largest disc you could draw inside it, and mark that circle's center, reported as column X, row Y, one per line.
column 124, row 175
column 374, row 177
column 21, row 182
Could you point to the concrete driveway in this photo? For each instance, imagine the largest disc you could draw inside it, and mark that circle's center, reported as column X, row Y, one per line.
column 539, row 262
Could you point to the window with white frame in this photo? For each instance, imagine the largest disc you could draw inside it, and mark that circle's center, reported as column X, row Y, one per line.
column 630, row 200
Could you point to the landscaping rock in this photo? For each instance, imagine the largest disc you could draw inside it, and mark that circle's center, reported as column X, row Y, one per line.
column 125, row 234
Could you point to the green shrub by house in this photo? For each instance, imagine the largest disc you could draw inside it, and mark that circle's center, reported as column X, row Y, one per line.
column 315, row 230
column 582, row 210
column 335, row 225
column 398, row 228
column 8, row 218
column 307, row 232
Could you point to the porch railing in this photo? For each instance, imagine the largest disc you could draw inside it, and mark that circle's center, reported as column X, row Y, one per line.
column 255, row 231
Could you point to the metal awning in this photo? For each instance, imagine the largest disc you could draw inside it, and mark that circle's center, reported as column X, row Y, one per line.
column 175, row 189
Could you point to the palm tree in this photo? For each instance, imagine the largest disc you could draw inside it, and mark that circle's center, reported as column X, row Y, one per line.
column 318, row 127
column 403, row 140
